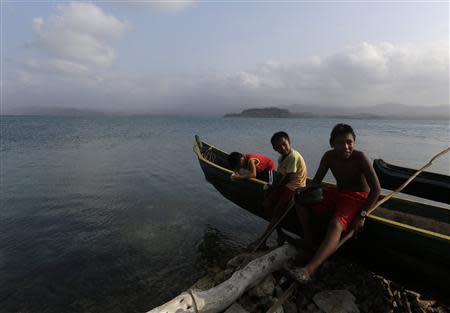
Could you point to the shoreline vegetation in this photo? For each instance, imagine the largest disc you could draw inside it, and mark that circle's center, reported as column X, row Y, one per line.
column 275, row 112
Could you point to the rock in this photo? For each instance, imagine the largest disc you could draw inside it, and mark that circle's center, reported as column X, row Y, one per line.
column 204, row 283
column 417, row 307
column 301, row 301
column 283, row 280
column 263, row 289
column 289, row 307
column 219, row 277
column 249, row 305
column 236, row 308
column 280, row 309
column 278, row 291
column 269, row 302
column 311, row 308
column 336, row 301
column 214, row 269
column 237, row 261
column 227, row 273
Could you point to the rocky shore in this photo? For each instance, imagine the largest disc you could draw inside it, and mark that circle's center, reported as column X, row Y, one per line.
column 339, row 286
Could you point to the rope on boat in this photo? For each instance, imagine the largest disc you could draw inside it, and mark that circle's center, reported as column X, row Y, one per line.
column 209, row 155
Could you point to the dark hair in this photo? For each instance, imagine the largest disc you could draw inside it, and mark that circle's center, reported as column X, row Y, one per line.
column 234, row 159
column 278, row 135
column 339, row 130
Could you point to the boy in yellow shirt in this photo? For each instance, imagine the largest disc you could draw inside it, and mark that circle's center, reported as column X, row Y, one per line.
column 292, row 167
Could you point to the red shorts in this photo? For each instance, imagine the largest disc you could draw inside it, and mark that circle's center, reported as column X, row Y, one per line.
column 278, row 198
column 341, row 205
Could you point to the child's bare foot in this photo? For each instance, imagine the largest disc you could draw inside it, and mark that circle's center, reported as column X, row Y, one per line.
column 298, row 273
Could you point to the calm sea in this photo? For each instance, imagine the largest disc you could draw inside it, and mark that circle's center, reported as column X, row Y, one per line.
column 114, row 214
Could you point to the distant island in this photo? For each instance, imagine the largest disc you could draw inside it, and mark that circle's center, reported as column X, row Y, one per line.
column 379, row 111
column 273, row 112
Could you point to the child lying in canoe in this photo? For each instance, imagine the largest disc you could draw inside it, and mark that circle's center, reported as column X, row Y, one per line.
column 250, row 165
column 357, row 189
column 292, row 167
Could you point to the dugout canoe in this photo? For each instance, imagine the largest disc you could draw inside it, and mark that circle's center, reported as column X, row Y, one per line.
column 402, row 234
column 426, row 185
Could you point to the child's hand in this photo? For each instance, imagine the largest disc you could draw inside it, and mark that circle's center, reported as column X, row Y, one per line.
column 234, row 176
column 359, row 224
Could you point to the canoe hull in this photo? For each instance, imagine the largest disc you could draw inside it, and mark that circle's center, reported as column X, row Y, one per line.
column 426, row 185
column 385, row 242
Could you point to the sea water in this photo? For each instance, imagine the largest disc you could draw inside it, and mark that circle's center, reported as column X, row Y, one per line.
column 114, row 214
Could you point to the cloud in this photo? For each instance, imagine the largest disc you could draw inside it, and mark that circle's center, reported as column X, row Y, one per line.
column 165, row 5
column 56, row 66
column 359, row 75
column 80, row 33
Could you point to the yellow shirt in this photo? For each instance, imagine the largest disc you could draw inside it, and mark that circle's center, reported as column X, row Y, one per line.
column 293, row 163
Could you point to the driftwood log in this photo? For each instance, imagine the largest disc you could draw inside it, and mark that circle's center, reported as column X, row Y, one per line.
column 223, row 295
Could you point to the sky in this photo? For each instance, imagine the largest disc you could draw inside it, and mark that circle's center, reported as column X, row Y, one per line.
column 215, row 57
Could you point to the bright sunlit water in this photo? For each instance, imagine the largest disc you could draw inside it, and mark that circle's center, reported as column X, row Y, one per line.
column 109, row 214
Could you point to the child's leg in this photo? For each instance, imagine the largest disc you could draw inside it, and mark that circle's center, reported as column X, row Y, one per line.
column 327, row 247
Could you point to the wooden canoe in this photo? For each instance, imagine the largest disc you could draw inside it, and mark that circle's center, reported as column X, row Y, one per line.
column 426, row 185
column 405, row 235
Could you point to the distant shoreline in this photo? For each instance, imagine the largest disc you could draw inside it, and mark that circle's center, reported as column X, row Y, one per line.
column 234, row 115
column 284, row 113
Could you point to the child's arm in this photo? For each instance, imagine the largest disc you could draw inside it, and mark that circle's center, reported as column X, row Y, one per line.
column 321, row 171
column 372, row 181
column 251, row 168
column 375, row 190
column 295, row 168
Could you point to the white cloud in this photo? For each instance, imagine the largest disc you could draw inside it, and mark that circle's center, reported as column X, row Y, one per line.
column 165, row 5
column 57, row 66
column 359, row 75
column 79, row 33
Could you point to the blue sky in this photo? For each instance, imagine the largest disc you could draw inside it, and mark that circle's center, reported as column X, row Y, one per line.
column 194, row 56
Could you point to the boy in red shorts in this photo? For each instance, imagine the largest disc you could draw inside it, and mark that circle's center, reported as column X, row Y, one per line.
column 292, row 167
column 357, row 189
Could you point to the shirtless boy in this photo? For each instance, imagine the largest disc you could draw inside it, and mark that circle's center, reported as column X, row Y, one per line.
column 357, row 189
